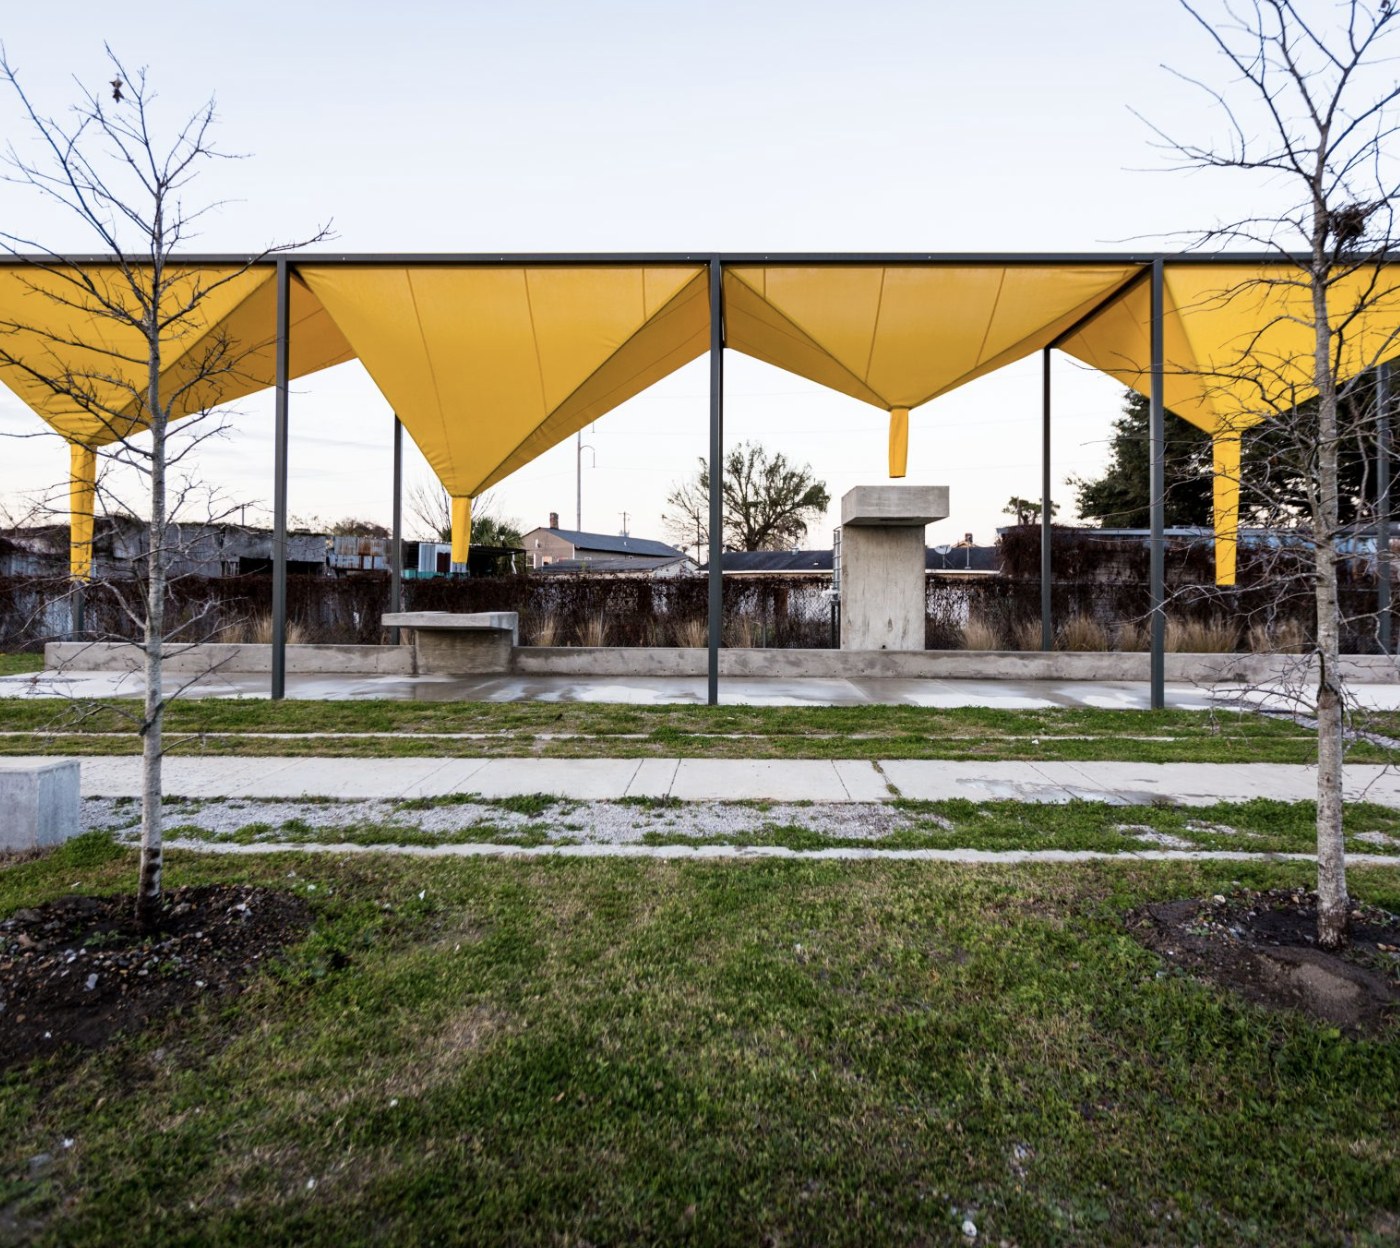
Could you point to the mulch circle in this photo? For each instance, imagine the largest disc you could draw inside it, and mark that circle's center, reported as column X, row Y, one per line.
column 1263, row 945
column 79, row 970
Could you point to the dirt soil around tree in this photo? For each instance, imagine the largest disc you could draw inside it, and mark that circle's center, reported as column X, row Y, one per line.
column 1263, row 945
column 79, row 970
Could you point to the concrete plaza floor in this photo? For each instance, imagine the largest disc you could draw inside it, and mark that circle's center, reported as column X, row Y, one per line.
column 727, row 780
column 650, row 690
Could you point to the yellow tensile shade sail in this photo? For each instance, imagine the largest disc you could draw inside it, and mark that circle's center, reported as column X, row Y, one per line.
column 1238, row 347
column 85, row 371
column 488, row 367
column 54, row 325
column 897, row 336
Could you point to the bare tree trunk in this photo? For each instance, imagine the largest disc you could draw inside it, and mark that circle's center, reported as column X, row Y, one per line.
column 148, row 892
column 1333, row 905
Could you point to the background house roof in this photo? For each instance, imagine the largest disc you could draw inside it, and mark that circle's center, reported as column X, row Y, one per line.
column 613, row 543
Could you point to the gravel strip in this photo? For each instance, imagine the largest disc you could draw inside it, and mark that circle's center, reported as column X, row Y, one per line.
column 587, row 823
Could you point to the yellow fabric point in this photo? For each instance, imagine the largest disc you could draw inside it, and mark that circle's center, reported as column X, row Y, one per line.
column 1226, row 484
column 899, row 441
column 488, row 367
column 82, row 495
column 461, row 529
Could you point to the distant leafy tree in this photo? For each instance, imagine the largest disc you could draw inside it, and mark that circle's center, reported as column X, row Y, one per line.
column 1026, row 511
column 769, row 503
column 1278, row 477
column 352, row 526
column 431, row 506
column 1121, row 498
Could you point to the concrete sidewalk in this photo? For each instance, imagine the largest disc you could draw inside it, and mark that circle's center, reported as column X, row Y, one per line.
column 722, row 780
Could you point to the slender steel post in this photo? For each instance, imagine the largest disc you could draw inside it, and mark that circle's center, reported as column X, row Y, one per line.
column 1383, row 507
column 1157, row 424
column 279, row 491
column 396, row 532
column 716, row 477
column 1047, row 625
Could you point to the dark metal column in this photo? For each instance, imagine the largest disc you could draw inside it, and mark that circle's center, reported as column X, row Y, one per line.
column 1047, row 626
column 1157, row 424
column 279, row 491
column 716, row 475
column 396, row 532
column 1383, row 507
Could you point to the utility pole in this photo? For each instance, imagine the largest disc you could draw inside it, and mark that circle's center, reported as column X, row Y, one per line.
column 578, row 478
column 624, row 515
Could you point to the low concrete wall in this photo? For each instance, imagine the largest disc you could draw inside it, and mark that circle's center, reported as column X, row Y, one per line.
column 934, row 664
column 691, row 661
column 105, row 656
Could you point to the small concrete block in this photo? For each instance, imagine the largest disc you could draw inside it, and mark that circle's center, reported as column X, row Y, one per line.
column 39, row 804
column 894, row 505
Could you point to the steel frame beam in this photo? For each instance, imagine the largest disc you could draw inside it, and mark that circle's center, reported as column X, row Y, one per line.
column 279, row 487
column 605, row 259
column 716, row 603
column 396, row 532
column 1383, row 507
column 1157, row 546
column 1047, row 624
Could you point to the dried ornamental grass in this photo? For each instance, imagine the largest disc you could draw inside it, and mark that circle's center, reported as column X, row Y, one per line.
column 1213, row 636
column 1082, row 632
column 978, row 634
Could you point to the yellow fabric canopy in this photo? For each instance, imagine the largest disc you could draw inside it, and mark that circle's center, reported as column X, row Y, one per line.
column 56, row 325
column 488, row 367
column 1238, row 347
column 67, row 354
column 896, row 336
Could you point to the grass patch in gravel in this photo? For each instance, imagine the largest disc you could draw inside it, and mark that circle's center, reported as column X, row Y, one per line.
column 1258, row 826
column 554, row 1051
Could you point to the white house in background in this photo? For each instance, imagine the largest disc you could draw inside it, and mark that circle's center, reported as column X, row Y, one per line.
column 571, row 550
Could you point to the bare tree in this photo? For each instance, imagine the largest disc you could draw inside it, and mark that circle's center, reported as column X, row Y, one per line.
column 431, row 506
column 123, row 176
column 1310, row 110
column 768, row 502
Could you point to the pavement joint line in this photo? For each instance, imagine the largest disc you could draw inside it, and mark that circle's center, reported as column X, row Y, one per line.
column 632, row 779
column 963, row 857
column 836, row 771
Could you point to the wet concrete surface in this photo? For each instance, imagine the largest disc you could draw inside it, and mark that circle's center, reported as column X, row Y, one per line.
column 687, row 690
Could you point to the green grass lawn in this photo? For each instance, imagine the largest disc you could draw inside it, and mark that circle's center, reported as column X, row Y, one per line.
column 562, row 1052
column 18, row 664
column 407, row 729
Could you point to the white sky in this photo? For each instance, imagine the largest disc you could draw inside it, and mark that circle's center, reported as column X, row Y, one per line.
column 566, row 125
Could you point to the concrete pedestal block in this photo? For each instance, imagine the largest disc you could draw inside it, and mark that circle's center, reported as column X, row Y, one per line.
column 464, row 644
column 882, row 564
column 39, row 804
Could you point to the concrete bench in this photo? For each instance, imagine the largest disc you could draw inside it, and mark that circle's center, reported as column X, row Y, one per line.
column 39, row 803
column 450, row 644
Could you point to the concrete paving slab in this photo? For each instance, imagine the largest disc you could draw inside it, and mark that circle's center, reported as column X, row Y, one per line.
column 738, row 779
column 937, row 780
column 452, row 775
column 654, row 778
column 585, row 779
column 862, row 780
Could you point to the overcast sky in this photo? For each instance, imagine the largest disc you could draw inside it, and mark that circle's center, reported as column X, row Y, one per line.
column 675, row 126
